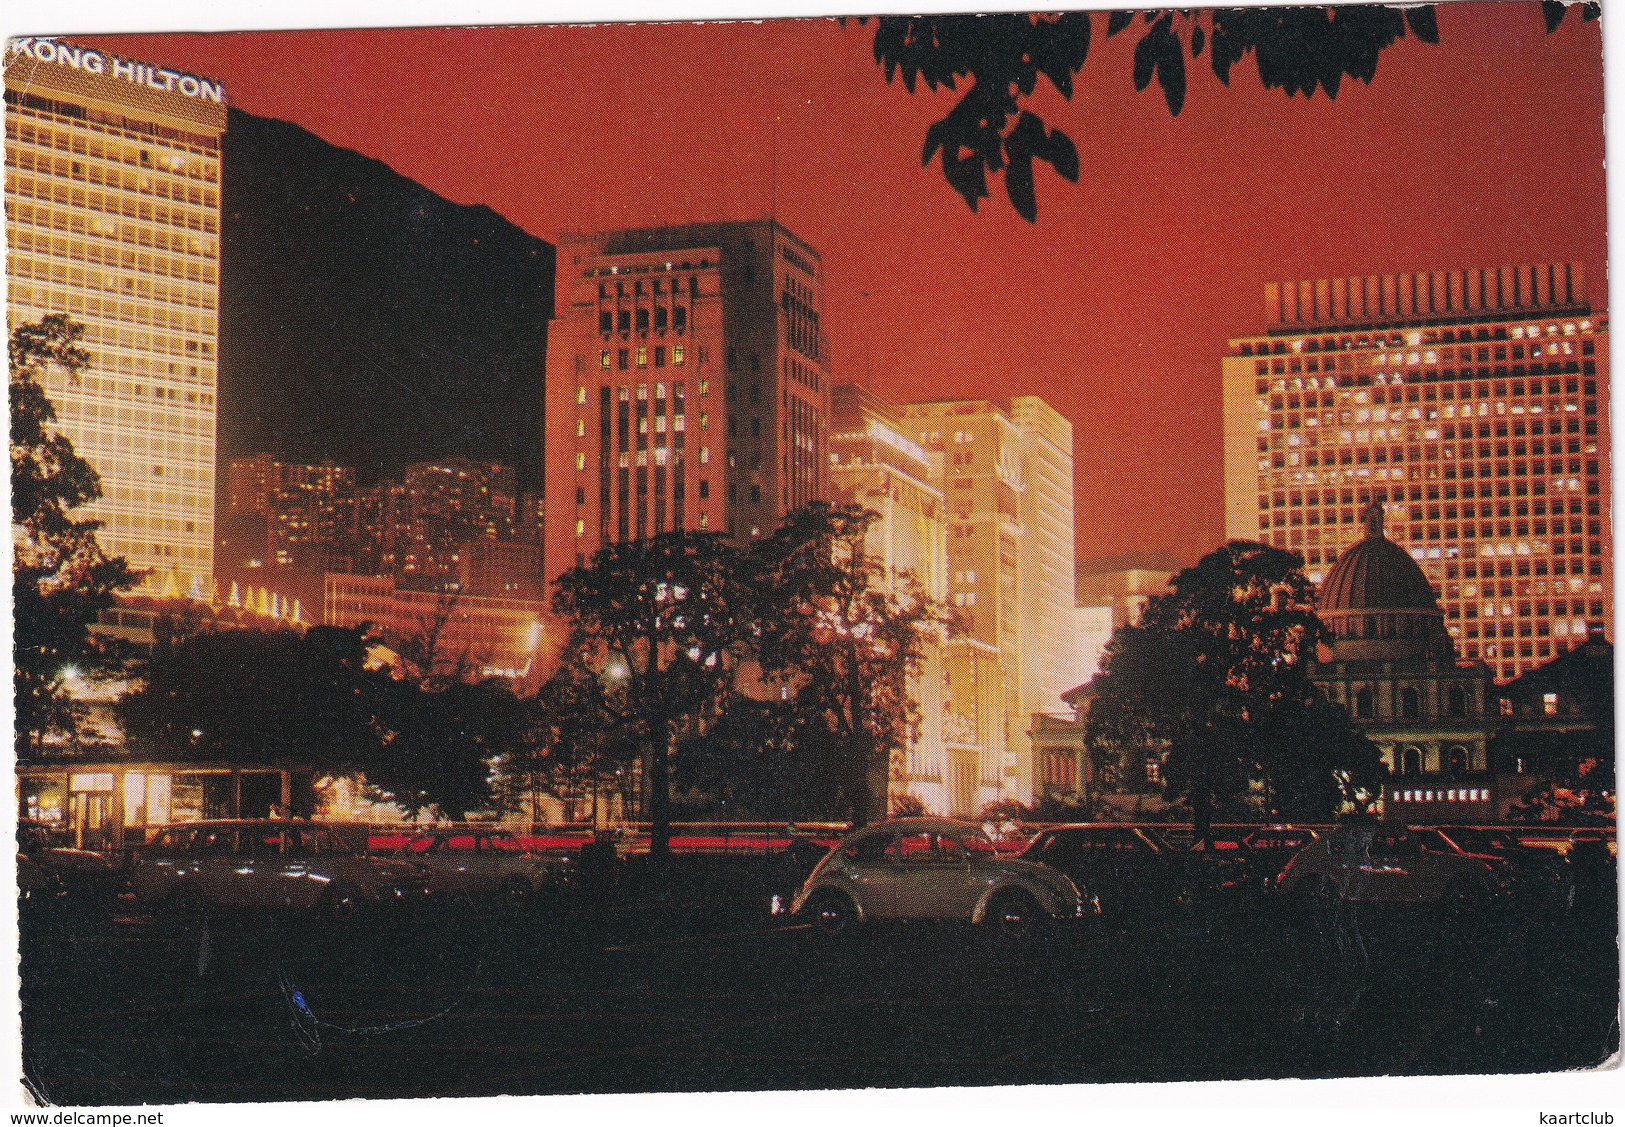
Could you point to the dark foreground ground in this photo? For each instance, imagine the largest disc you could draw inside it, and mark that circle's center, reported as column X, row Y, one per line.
column 686, row 993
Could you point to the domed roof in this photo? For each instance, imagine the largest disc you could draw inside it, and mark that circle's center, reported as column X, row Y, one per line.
column 1376, row 575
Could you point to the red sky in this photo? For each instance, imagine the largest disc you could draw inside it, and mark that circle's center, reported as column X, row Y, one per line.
column 1114, row 307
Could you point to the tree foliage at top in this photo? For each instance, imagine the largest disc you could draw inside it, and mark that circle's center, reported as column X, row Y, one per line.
column 1215, row 677
column 659, row 618
column 62, row 579
column 998, row 60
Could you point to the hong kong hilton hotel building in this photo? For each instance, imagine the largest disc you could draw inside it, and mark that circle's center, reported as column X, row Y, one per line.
column 1473, row 406
column 113, row 218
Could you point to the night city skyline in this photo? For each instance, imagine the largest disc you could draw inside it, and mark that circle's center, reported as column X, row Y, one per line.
column 639, row 584
column 1180, row 221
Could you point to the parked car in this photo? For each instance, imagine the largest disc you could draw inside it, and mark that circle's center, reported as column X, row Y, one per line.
column 49, row 868
column 466, row 864
column 268, row 863
column 1536, row 870
column 934, row 868
column 1269, row 848
column 1126, row 867
column 1392, row 864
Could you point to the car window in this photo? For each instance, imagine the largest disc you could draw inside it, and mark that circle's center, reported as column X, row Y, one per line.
column 458, row 843
column 425, row 844
column 265, row 842
column 871, row 848
column 1394, row 842
column 214, row 841
column 171, row 841
column 500, row 843
column 913, row 849
column 977, row 846
column 309, row 840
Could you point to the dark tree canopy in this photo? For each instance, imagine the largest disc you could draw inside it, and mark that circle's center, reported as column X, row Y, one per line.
column 998, row 60
column 61, row 578
column 255, row 696
column 659, row 618
column 1215, row 678
column 842, row 640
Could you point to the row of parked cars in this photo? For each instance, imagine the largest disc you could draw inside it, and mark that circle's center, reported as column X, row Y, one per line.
column 929, row 868
column 302, row 866
column 915, row 868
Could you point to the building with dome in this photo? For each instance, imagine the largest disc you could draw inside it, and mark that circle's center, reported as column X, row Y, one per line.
column 1392, row 665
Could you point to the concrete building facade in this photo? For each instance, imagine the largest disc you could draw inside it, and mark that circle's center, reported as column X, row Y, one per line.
column 1471, row 404
column 1007, row 473
column 687, row 385
column 113, row 218
column 874, row 463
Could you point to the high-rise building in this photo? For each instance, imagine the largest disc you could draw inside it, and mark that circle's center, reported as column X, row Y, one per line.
column 687, row 385
column 874, row 463
column 1007, row 474
column 449, row 504
column 113, row 218
column 1473, row 406
column 286, row 514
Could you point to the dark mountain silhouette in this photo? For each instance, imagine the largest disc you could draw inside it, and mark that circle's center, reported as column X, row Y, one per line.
column 366, row 320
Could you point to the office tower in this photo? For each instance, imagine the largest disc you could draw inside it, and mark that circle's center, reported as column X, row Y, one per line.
column 873, row 463
column 1007, row 472
column 1471, row 404
column 687, row 385
column 113, row 218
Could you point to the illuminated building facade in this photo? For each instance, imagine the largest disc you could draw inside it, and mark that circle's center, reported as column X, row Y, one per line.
column 1007, row 480
column 1473, row 405
column 874, row 463
column 687, row 385
column 113, row 218
column 1393, row 667
column 473, row 636
column 286, row 514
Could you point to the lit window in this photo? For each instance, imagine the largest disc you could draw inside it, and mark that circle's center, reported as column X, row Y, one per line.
column 677, row 354
column 581, row 428
column 581, row 392
column 581, row 528
column 643, row 357
column 581, row 461
column 1549, row 704
column 603, row 358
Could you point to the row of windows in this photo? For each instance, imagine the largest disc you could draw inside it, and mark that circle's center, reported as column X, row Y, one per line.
column 142, row 265
column 146, row 289
column 657, row 286
column 642, row 319
column 626, row 358
column 107, row 203
column 1417, row 337
column 147, row 182
column 1397, row 496
column 135, row 234
column 97, row 310
column 1310, row 397
column 92, row 132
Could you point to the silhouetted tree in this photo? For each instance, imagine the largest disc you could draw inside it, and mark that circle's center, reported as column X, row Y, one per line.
column 757, row 757
column 61, row 577
column 255, row 696
column 1217, row 673
column 998, row 60
column 442, row 746
column 842, row 639
column 658, row 617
